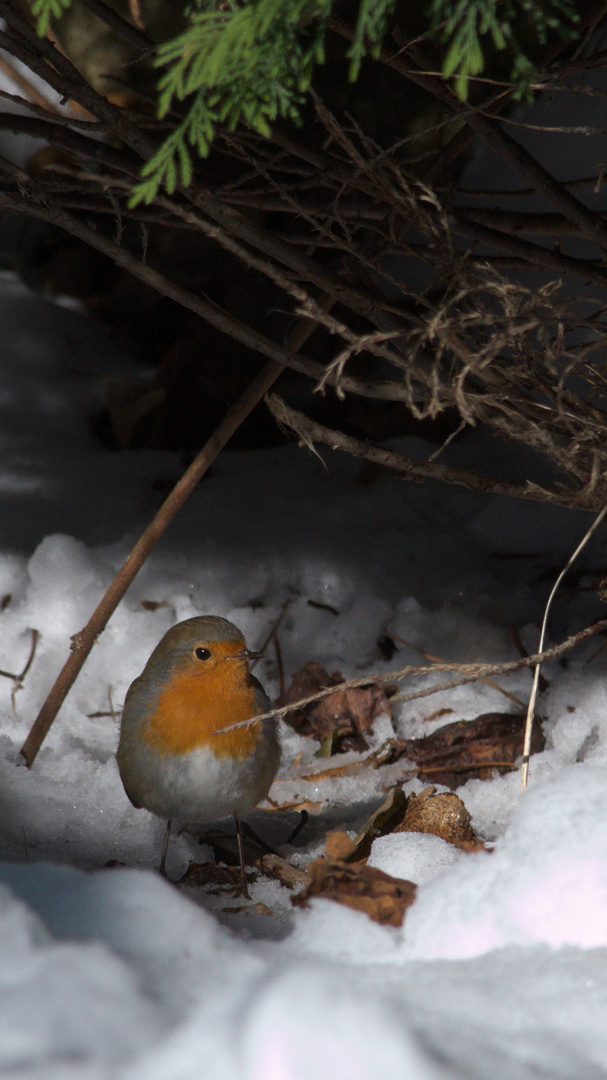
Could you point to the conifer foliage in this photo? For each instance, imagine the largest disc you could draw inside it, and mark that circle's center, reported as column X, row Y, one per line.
column 279, row 164
column 251, row 62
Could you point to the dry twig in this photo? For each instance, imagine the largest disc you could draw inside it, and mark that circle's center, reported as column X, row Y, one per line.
column 468, row 673
column 536, row 675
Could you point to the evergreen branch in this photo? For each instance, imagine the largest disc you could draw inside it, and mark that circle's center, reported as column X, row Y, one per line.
column 172, row 165
column 44, row 11
column 251, row 62
column 371, row 28
column 462, row 24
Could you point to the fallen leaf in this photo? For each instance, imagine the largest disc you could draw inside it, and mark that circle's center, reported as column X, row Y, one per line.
column 344, row 717
column 443, row 815
column 208, row 873
column 262, row 909
column 382, row 897
column 386, row 819
column 338, row 846
column 437, row 715
column 467, row 749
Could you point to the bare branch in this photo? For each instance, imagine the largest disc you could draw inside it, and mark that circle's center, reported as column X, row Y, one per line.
column 310, row 432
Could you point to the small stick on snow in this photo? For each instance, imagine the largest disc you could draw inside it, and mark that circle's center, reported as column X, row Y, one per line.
column 18, row 679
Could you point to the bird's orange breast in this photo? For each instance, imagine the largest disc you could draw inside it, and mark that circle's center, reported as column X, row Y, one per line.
column 195, row 704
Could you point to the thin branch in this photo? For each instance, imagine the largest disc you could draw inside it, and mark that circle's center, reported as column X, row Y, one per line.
column 513, row 221
column 515, row 155
column 309, row 432
column 468, row 673
column 439, row 660
column 521, row 193
column 32, row 94
column 212, row 313
column 19, row 678
column 59, row 133
column 464, row 224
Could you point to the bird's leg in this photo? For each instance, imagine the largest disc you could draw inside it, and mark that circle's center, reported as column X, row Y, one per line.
column 243, row 888
column 162, row 870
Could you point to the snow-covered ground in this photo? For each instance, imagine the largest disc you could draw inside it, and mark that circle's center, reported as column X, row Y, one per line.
column 111, row 972
column 499, row 969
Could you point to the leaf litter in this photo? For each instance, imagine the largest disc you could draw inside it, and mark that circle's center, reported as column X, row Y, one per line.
column 342, row 723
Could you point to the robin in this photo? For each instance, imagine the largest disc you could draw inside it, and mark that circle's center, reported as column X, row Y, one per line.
column 197, row 682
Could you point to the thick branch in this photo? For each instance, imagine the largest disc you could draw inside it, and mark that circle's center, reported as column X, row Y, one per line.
column 83, row 642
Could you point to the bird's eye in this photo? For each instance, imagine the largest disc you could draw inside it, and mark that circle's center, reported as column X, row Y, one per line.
column 201, row 653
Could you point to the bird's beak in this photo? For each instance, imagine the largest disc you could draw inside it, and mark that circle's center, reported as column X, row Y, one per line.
column 247, row 654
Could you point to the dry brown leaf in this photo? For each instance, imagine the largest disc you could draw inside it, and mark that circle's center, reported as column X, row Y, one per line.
column 338, row 846
column 437, row 715
column 443, row 815
column 382, row 897
column 262, row 909
column 467, row 749
column 345, row 717
column 384, row 820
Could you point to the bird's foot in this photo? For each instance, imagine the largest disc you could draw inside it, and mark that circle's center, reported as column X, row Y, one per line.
column 241, row 889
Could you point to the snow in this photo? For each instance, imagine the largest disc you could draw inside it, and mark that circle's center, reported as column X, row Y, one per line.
column 413, row 856
column 108, row 971
column 499, row 968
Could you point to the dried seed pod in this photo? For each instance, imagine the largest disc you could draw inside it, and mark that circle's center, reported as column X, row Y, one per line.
column 444, row 815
